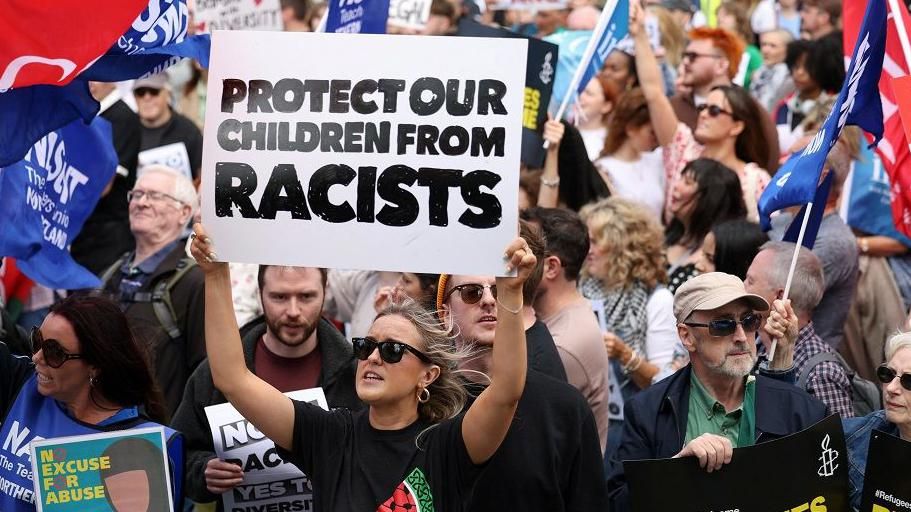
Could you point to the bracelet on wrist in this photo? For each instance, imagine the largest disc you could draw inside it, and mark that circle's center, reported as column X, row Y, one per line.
column 633, row 364
column 505, row 308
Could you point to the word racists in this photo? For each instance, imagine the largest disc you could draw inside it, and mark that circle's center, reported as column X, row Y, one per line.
column 413, row 157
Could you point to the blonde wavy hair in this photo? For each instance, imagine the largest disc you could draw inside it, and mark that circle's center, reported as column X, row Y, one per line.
column 447, row 393
column 632, row 240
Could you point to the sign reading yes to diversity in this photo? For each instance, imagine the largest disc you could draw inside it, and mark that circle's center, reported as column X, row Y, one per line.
column 374, row 154
column 112, row 471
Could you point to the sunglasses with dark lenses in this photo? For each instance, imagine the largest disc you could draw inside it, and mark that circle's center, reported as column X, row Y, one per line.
column 886, row 375
column 727, row 326
column 142, row 91
column 53, row 352
column 391, row 351
column 714, row 110
column 473, row 292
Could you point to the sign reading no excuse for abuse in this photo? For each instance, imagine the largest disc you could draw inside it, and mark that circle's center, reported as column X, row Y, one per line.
column 364, row 151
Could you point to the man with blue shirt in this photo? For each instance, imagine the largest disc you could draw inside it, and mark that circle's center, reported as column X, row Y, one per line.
column 714, row 404
column 159, row 288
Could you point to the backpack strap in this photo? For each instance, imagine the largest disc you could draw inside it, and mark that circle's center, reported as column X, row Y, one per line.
column 822, row 357
column 161, row 301
column 109, row 273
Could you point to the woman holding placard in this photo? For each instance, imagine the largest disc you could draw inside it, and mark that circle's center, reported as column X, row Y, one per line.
column 412, row 445
column 894, row 419
column 88, row 375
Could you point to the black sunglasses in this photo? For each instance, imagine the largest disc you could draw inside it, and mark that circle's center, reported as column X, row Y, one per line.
column 53, row 352
column 715, row 110
column 472, row 293
column 142, row 91
column 886, row 375
column 727, row 326
column 391, row 351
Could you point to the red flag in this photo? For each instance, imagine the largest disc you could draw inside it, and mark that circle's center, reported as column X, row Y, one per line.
column 893, row 148
column 52, row 42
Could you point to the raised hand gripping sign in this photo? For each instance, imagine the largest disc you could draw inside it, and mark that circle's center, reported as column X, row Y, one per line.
column 374, row 152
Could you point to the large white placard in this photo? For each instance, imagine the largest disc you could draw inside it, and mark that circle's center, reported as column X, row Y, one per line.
column 269, row 482
column 363, row 151
column 211, row 15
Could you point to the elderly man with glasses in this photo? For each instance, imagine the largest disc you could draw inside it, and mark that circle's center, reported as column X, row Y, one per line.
column 160, row 288
column 714, row 404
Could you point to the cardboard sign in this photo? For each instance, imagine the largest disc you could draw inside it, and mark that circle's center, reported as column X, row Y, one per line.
column 411, row 14
column 539, row 83
column 213, row 15
column 269, row 482
column 887, row 486
column 806, row 471
column 121, row 470
column 375, row 154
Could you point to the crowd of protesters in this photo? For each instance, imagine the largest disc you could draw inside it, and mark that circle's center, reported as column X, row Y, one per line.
column 499, row 391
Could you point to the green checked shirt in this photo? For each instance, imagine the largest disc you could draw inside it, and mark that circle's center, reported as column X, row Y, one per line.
column 707, row 415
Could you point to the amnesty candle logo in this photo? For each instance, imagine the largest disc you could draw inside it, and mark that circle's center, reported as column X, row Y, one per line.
column 827, row 458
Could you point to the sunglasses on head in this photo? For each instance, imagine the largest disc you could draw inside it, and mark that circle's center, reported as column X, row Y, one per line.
column 714, row 110
column 53, row 352
column 142, row 91
column 727, row 326
column 391, row 351
column 472, row 293
column 886, row 375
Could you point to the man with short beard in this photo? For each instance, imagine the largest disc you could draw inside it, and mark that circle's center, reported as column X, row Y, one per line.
column 714, row 404
column 291, row 347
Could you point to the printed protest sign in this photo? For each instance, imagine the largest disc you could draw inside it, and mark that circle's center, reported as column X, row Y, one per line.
column 614, row 386
column 173, row 155
column 375, row 154
column 120, row 470
column 530, row 5
column 539, row 83
column 269, row 482
column 411, row 14
column 887, row 486
column 806, row 471
column 357, row 16
column 237, row 15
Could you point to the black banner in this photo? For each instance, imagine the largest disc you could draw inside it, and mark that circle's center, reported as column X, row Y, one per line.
column 803, row 472
column 887, row 479
column 539, row 84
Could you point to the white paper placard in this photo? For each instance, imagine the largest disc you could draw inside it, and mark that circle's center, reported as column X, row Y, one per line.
column 356, row 156
column 213, row 15
column 409, row 13
column 268, row 481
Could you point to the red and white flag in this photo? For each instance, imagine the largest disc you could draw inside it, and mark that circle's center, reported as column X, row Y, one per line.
column 893, row 148
column 52, row 42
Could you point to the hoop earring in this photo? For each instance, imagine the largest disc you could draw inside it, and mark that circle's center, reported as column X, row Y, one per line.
column 424, row 395
column 92, row 381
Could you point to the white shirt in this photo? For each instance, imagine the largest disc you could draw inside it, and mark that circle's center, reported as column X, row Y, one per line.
column 642, row 181
column 594, row 141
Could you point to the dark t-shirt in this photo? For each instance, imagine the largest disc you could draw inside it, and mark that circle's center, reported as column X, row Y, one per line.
column 287, row 373
column 177, row 129
column 551, row 457
column 542, row 352
column 356, row 468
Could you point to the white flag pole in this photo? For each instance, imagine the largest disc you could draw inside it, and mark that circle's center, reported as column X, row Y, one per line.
column 787, row 286
column 603, row 21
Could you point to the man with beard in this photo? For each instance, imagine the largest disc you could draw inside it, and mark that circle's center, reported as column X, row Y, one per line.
column 714, row 404
column 291, row 347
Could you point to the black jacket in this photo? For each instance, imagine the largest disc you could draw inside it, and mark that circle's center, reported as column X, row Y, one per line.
column 655, row 423
column 336, row 379
column 173, row 360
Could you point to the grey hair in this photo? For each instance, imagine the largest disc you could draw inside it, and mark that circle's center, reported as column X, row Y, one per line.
column 183, row 191
column 809, row 282
column 447, row 393
column 897, row 342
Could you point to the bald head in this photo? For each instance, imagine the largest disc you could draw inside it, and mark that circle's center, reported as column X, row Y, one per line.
column 583, row 18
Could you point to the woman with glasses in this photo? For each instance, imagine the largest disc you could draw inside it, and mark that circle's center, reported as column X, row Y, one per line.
column 729, row 127
column 88, row 375
column 894, row 419
column 412, row 446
